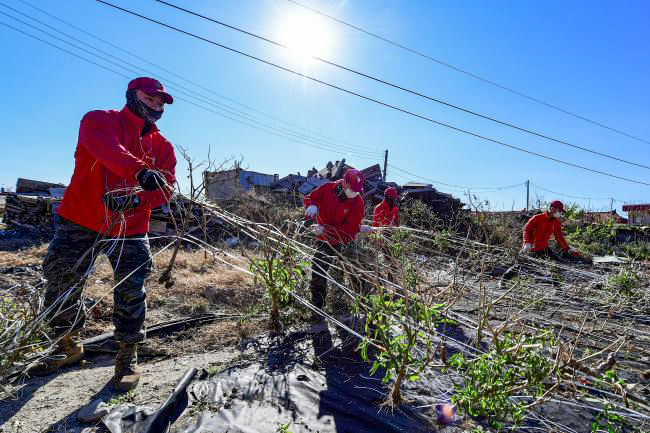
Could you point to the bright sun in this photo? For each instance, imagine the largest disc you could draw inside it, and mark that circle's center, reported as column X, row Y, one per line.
column 306, row 35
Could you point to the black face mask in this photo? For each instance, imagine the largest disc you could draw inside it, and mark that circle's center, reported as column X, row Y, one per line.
column 391, row 202
column 140, row 109
column 340, row 193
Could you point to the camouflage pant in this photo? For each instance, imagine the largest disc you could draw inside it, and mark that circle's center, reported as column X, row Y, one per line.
column 324, row 257
column 69, row 258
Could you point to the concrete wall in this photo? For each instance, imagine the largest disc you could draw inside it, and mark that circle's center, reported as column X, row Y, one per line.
column 639, row 217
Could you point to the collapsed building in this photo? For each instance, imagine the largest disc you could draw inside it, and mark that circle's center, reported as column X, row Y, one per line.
column 34, row 203
column 229, row 183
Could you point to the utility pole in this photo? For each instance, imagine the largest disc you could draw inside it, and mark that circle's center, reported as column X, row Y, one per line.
column 385, row 165
column 527, row 195
column 611, row 204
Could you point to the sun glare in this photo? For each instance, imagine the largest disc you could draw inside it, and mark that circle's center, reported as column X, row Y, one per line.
column 306, row 35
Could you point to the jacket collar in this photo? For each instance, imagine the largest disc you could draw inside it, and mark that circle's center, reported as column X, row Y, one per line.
column 136, row 121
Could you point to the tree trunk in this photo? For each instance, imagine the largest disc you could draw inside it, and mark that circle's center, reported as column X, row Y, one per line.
column 275, row 313
column 396, row 393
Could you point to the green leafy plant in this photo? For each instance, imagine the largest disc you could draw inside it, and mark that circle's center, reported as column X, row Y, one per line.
column 415, row 213
column 596, row 237
column 516, row 365
column 637, row 250
column 625, row 282
column 127, row 397
column 392, row 322
column 279, row 272
column 608, row 421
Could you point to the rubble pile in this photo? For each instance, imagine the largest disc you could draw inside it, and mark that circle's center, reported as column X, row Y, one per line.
column 33, row 205
column 374, row 187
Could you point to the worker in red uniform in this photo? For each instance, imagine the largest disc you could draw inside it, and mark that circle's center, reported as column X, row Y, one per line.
column 539, row 229
column 386, row 213
column 124, row 167
column 338, row 209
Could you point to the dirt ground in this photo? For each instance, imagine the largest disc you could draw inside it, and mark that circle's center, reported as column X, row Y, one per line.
column 51, row 403
column 550, row 298
column 201, row 286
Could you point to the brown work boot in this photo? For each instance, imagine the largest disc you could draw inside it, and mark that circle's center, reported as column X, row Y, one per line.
column 126, row 367
column 68, row 351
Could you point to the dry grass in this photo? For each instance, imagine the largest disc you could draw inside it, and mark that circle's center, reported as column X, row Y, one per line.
column 201, row 285
column 32, row 256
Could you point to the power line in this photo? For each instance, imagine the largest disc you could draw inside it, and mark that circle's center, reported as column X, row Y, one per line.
column 368, row 98
column 336, row 147
column 573, row 196
column 64, row 50
column 486, row 189
column 470, row 74
column 195, row 83
column 407, row 90
column 185, row 100
column 219, row 105
column 452, row 185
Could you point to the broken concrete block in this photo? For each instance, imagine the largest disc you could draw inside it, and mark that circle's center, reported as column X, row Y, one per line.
column 93, row 411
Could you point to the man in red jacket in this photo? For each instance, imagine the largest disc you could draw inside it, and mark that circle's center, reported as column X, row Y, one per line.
column 386, row 213
column 338, row 210
column 124, row 167
column 539, row 229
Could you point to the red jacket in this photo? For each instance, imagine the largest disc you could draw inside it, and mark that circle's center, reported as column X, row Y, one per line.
column 340, row 219
column 538, row 231
column 110, row 152
column 384, row 216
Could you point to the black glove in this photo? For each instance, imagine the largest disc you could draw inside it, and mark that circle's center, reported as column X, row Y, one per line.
column 120, row 203
column 151, row 180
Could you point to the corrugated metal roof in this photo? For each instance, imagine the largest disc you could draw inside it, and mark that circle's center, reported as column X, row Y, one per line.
column 247, row 179
column 633, row 207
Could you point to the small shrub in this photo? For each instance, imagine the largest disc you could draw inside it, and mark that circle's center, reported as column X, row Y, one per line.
column 636, row 250
column 388, row 322
column 626, row 282
column 280, row 273
column 515, row 366
column 414, row 213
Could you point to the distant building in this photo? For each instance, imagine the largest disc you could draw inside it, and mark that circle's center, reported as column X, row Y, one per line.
column 229, row 183
column 639, row 214
column 601, row 217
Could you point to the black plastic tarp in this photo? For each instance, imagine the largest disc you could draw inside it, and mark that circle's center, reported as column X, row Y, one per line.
column 335, row 394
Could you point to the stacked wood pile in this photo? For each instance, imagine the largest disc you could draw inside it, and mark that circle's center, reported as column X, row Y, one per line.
column 29, row 211
column 33, row 205
column 37, row 187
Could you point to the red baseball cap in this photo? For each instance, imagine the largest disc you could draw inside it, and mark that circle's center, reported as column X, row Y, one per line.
column 354, row 180
column 151, row 86
column 390, row 193
column 557, row 204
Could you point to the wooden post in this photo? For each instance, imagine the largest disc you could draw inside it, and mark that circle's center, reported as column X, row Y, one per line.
column 527, row 195
column 383, row 178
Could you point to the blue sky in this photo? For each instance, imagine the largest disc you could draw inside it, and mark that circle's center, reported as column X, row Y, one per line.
column 589, row 57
